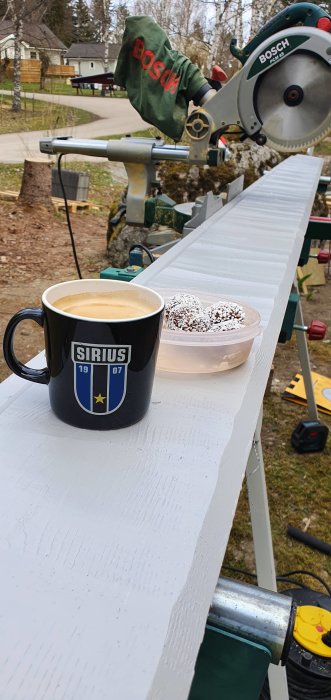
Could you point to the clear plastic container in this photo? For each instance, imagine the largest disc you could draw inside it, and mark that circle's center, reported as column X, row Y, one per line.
column 202, row 352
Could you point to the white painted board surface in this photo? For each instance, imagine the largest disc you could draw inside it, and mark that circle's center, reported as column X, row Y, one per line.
column 111, row 543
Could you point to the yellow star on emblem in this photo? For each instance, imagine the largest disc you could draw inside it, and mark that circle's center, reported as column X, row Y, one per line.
column 100, row 398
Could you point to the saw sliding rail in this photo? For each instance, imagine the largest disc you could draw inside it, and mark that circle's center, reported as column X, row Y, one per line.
column 138, row 155
column 127, row 150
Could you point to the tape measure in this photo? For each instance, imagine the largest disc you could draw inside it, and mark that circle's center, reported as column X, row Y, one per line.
column 309, row 436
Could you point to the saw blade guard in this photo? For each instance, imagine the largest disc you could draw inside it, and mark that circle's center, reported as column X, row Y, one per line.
column 285, row 89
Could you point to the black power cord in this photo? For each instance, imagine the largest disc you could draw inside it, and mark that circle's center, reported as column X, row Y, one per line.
column 308, row 539
column 302, row 572
column 68, row 216
column 72, row 239
column 143, row 247
column 286, row 577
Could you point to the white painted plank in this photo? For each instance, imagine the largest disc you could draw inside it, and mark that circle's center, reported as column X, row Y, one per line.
column 111, row 543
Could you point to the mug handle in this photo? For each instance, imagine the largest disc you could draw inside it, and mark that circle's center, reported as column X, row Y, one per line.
column 40, row 376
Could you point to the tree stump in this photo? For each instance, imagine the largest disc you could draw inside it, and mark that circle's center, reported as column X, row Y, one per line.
column 36, row 187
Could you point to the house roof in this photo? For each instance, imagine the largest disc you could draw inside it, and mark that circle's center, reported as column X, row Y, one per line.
column 36, row 35
column 96, row 51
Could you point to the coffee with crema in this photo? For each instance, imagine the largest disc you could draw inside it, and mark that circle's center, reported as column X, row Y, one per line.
column 105, row 305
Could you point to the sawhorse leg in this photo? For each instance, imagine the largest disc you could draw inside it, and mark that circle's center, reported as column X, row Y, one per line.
column 264, row 557
column 305, row 364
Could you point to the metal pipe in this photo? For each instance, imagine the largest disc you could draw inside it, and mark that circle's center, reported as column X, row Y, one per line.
column 170, row 153
column 261, row 616
column 87, row 147
column 125, row 150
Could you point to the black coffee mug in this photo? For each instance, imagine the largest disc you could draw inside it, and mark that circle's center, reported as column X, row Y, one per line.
column 100, row 372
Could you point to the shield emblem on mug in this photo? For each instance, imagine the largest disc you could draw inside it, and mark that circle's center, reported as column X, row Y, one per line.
column 100, row 376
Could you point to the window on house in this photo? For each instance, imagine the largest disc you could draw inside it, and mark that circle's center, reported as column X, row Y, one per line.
column 33, row 54
column 92, row 64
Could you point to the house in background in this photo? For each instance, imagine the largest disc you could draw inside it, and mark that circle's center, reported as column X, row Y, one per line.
column 88, row 59
column 37, row 39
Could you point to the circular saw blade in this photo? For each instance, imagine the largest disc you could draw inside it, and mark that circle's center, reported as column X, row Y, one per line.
column 293, row 101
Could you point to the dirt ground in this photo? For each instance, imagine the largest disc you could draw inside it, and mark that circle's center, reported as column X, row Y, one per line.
column 35, row 252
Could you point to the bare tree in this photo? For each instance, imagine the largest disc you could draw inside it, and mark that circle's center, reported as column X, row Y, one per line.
column 16, row 11
column 19, row 11
column 120, row 16
column 184, row 24
column 161, row 12
column 239, row 22
column 222, row 10
column 241, row 19
column 196, row 46
column 184, row 19
column 262, row 11
column 102, row 12
column 45, row 61
column 230, row 21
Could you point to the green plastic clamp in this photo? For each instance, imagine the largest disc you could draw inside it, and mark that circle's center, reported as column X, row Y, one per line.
column 319, row 229
column 288, row 321
column 324, row 184
column 303, row 12
column 126, row 274
column 159, row 210
column 229, row 668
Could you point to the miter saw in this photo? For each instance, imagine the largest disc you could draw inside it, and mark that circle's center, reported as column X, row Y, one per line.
column 280, row 97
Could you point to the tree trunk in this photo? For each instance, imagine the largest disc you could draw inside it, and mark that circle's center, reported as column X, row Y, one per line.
column 16, row 12
column 106, row 54
column 106, row 33
column 36, row 187
column 16, row 107
column 221, row 23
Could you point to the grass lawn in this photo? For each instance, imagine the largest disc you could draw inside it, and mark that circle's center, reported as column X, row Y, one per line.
column 298, row 489
column 148, row 133
column 36, row 116
column 55, row 86
column 323, row 148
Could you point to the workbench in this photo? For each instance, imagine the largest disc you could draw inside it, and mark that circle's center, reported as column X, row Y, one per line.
column 111, row 543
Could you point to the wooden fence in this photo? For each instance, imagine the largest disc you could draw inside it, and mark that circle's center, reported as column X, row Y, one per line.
column 60, row 71
column 31, row 68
